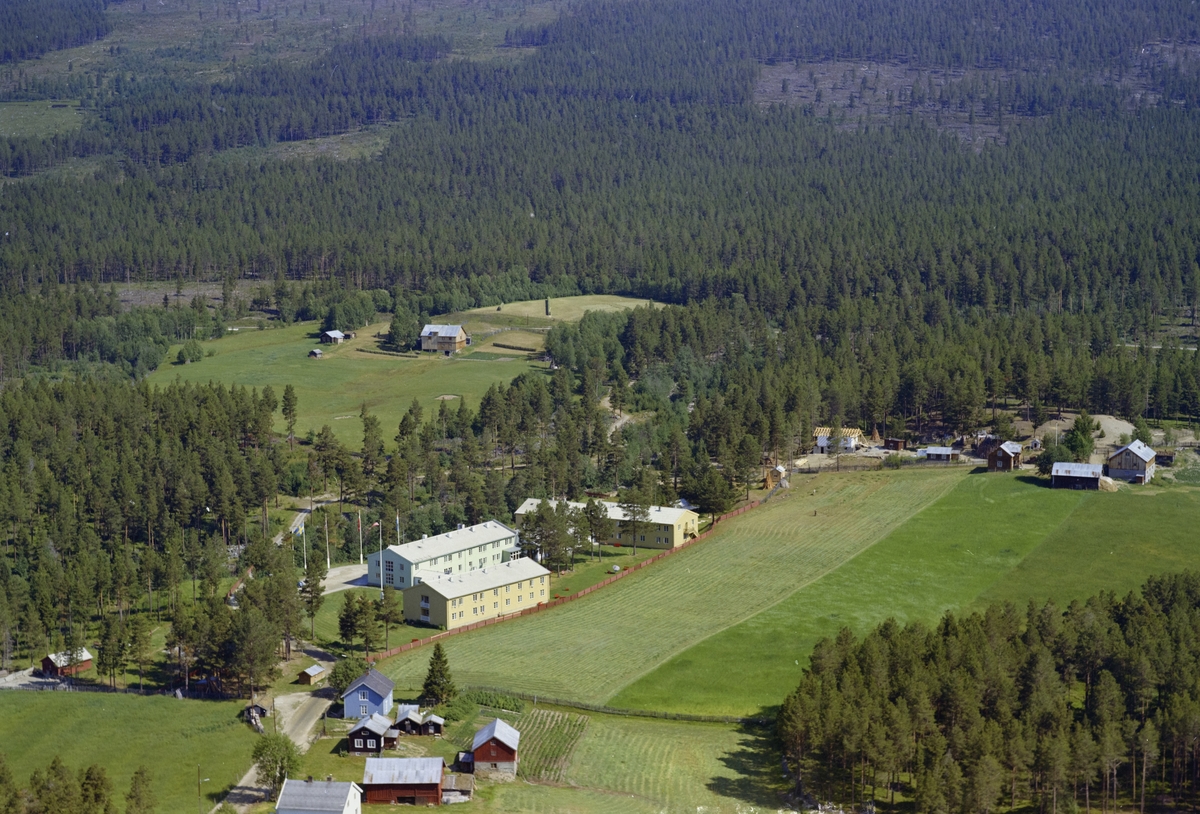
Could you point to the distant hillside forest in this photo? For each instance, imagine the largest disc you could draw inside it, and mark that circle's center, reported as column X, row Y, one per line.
column 29, row 28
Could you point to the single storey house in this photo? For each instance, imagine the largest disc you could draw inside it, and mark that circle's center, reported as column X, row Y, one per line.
column 1066, row 475
column 895, row 444
column 1005, row 457
column 369, row 735
column 665, row 526
column 938, row 454
column 60, row 664
column 495, row 748
column 851, row 439
column 445, row 339
column 369, row 694
column 407, row 781
column 453, row 600
column 319, row 797
column 1133, row 462
column 333, row 337
column 313, row 675
column 453, row 552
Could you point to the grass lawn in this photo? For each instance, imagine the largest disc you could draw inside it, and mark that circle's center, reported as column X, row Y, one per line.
column 332, row 390
column 995, row 537
column 39, row 119
column 588, row 650
column 562, row 309
column 122, row 732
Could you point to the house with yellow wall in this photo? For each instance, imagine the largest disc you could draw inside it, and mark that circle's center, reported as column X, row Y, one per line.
column 453, row 600
column 666, row 526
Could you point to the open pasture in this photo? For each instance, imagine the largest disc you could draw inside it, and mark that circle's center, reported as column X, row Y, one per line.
column 333, row 389
column 562, row 309
column 39, row 119
column 122, row 732
column 588, row 650
column 994, row 537
column 548, row 739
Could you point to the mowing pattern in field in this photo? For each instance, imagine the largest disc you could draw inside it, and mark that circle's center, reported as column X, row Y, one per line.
column 547, row 740
column 589, row 649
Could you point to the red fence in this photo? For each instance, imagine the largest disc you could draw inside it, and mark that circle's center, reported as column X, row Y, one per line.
column 554, row 603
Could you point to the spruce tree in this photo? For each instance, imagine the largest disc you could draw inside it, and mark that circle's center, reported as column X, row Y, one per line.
column 439, row 684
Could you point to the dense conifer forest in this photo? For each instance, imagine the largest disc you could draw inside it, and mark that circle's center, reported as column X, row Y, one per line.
column 29, row 28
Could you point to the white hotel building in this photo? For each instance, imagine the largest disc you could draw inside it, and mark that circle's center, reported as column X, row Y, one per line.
column 454, row 552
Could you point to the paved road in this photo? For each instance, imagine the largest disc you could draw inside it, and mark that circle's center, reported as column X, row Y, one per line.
column 342, row 577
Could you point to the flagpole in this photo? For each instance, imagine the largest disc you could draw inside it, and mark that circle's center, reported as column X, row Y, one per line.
column 380, row 558
column 360, row 554
column 304, row 543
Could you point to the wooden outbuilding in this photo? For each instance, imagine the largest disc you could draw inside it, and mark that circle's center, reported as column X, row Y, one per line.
column 939, row 454
column 316, row 353
column 895, row 444
column 495, row 748
column 60, row 665
column 318, row 797
column 367, row 736
column 1005, row 457
column 445, row 339
column 397, row 780
column 433, row 725
column 457, row 788
column 313, row 675
column 1076, row 476
column 333, row 337
column 408, row 719
column 1133, row 462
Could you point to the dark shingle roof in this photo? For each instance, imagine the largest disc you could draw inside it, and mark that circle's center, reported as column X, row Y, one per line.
column 372, row 680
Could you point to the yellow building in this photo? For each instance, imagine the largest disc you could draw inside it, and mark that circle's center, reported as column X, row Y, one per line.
column 665, row 527
column 453, row 600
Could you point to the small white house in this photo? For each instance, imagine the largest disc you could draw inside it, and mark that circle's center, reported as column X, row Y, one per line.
column 851, row 439
column 319, row 797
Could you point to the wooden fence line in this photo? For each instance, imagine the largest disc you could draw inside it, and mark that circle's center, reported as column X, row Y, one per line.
column 629, row 713
column 554, row 603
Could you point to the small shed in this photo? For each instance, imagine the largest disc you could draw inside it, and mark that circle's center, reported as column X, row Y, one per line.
column 1067, row 475
column 333, row 337
column 255, row 710
column 939, row 454
column 895, row 444
column 1005, row 457
column 1166, row 458
column 457, row 788
column 404, row 781
column 495, row 748
column 433, row 725
column 408, row 720
column 313, row 675
column 316, row 353
column 60, row 664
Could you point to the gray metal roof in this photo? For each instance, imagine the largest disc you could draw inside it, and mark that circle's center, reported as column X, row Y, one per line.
column 316, row 795
column 939, row 451
column 372, row 679
column 335, row 334
column 1137, row 448
column 1074, row 470
column 373, row 723
column 499, row 730
column 441, row 330
column 315, row 670
column 402, row 770
column 1011, row 447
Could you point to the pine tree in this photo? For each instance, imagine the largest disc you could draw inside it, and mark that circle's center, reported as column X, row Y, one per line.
column 140, row 799
column 439, row 685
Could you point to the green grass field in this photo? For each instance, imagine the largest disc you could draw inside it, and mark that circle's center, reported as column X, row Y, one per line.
column 121, row 732
column 549, row 738
column 590, row 649
column 562, row 309
column 39, row 119
column 332, row 390
column 995, row 537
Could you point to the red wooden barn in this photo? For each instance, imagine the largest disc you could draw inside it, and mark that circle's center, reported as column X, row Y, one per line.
column 495, row 748
column 411, row 780
column 59, row 664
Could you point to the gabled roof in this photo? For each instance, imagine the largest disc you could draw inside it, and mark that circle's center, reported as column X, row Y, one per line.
column 441, row 330
column 1011, row 447
column 402, row 710
column 1074, row 470
column 372, row 680
column 938, row 451
column 402, row 770
column 316, row 795
column 451, row 542
column 499, row 730
column 63, row 659
column 434, row 719
column 453, row 586
column 374, row 723
column 335, row 334
column 315, row 670
column 668, row 515
column 410, row 714
column 1137, row 448
column 847, row 432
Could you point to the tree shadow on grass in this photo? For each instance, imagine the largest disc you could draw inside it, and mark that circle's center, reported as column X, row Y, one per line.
column 755, row 763
column 1034, row 480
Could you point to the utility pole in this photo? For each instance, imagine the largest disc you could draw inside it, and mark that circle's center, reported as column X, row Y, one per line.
column 327, row 562
column 360, row 548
